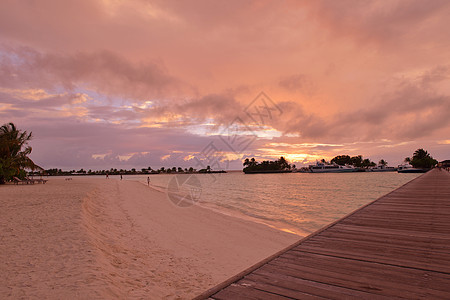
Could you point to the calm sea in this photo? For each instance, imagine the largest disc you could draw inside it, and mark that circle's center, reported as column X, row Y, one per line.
column 297, row 202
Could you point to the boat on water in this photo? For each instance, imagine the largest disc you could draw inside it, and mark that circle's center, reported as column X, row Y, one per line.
column 407, row 168
column 382, row 168
column 320, row 167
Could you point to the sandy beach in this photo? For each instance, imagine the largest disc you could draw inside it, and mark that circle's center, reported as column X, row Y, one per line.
column 97, row 238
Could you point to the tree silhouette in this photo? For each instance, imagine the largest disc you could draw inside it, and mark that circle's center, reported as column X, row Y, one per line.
column 422, row 159
column 342, row 160
column 265, row 166
column 382, row 162
column 357, row 161
column 420, row 154
column 246, row 162
column 14, row 151
column 366, row 163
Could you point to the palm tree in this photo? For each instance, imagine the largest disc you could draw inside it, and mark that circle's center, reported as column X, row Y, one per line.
column 246, row 162
column 382, row 163
column 14, row 151
column 283, row 163
column 422, row 159
column 420, row 154
column 366, row 163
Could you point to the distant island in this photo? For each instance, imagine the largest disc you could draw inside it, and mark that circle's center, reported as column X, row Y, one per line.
column 133, row 171
column 420, row 162
column 251, row 166
column 356, row 161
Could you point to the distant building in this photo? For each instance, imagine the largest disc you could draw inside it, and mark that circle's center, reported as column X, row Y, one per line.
column 444, row 164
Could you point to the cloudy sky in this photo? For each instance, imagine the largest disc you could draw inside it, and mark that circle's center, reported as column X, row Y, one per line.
column 137, row 83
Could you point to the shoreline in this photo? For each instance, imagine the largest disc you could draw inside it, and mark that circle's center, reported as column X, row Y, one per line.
column 112, row 238
column 239, row 215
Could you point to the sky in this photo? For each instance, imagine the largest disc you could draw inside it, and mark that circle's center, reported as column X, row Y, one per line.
column 135, row 84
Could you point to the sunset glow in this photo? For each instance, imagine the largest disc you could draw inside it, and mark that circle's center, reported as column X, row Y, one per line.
column 132, row 84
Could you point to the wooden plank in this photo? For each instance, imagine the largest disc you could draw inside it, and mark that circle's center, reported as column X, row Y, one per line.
column 419, row 243
column 386, row 255
column 363, row 230
column 392, row 224
column 389, row 282
column 360, row 268
column 306, row 286
column 339, row 279
column 407, row 247
column 396, row 246
column 243, row 292
column 284, row 288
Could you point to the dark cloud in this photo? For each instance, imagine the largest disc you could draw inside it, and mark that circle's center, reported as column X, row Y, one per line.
column 436, row 75
column 381, row 22
column 222, row 109
column 13, row 114
column 26, row 100
column 412, row 110
column 103, row 72
column 298, row 82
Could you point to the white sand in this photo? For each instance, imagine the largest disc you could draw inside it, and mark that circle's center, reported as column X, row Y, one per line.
column 98, row 238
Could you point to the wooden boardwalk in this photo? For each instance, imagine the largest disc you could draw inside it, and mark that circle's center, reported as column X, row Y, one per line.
column 395, row 247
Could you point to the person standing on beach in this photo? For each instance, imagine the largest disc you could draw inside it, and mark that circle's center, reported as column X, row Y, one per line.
column 107, row 176
column 120, row 176
column 148, row 180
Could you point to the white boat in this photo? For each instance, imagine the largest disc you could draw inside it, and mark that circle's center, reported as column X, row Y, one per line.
column 407, row 168
column 382, row 168
column 302, row 170
column 333, row 168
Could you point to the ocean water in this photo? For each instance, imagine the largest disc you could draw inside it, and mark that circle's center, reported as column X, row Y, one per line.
column 296, row 202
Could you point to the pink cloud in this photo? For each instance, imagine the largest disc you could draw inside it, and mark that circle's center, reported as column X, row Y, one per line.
column 94, row 73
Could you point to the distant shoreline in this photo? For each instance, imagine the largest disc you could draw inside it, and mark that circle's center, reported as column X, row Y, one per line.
column 136, row 173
